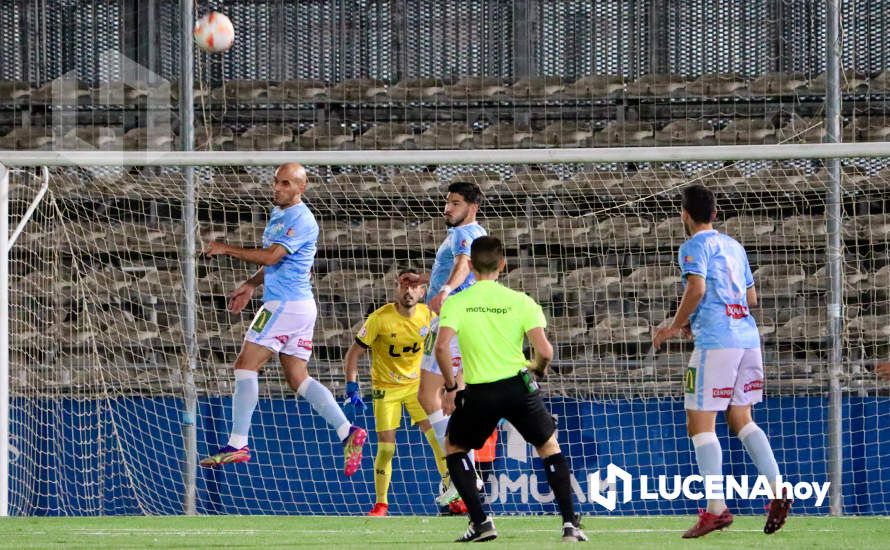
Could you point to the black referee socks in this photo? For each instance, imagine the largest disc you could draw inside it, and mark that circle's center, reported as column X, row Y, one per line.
column 463, row 475
column 559, row 478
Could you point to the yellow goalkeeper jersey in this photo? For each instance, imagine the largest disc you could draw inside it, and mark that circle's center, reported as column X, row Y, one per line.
column 396, row 344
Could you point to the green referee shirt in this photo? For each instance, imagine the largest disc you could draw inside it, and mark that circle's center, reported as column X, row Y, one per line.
column 491, row 321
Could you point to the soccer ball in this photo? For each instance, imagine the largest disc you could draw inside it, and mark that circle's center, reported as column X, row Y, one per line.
column 214, row 32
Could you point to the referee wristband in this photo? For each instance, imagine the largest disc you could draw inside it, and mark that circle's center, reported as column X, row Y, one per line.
column 451, row 389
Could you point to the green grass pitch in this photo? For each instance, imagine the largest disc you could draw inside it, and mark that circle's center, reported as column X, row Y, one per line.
column 416, row 532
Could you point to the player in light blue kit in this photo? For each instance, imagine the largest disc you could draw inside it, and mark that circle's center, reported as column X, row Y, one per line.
column 725, row 371
column 450, row 274
column 285, row 322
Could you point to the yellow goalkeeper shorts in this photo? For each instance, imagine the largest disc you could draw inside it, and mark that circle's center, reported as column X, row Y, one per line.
column 388, row 406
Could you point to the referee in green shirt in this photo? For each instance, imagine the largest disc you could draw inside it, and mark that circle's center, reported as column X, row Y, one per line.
column 490, row 322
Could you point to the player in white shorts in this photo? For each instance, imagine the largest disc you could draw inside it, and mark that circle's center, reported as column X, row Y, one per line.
column 725, row 372
column 284, row 324
column 450, row 274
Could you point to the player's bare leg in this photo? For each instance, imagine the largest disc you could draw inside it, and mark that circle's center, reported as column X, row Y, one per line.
column 701, row 426
column 757, row 445
column 250, row 360
column 386, row 449
column 296, row 373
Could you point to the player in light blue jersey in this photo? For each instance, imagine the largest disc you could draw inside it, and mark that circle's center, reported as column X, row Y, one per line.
column 725, row 371
column 284, row 324
column 450, row 274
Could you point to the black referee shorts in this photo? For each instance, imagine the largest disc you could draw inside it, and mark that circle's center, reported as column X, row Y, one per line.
column 479, row 408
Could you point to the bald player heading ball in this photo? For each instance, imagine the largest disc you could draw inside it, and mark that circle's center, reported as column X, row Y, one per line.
column 284, row 324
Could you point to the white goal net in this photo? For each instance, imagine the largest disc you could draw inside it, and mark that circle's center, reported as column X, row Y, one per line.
column 99, row 368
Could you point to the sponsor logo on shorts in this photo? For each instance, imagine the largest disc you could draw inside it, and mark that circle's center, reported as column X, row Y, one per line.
column 305, row 344
column 689, row 380
column 283, row 338
column 754, row 385
column 722, row 393
column 736, row 311
column 262, row 319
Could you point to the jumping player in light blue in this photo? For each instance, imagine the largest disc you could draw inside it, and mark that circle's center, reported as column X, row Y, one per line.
column 725, row 371
column 284, row 324
column 450, row 274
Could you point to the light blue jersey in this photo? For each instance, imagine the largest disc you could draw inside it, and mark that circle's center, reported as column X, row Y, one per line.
column 296, row 230
column 721, row 319
column 455, row 244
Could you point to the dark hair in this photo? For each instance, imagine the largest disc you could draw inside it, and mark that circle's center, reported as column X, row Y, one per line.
column 699, row 201
column 486, row 254
column 407, row 270
column 466, row 189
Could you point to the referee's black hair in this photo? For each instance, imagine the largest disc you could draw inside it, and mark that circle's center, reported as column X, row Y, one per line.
column 466, row 189
column 699, row 201
column 486, row 254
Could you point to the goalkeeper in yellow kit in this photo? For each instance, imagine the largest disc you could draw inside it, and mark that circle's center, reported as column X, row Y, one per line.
column 394, row 334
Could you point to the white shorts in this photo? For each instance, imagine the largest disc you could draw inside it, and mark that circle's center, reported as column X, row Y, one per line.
column 429, row 362
column 285, row 327
column 718, row 378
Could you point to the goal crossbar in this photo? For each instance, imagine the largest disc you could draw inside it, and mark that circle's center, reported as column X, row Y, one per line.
column 463, row 156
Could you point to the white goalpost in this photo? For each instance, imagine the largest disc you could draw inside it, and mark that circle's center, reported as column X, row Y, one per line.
column 592, row 234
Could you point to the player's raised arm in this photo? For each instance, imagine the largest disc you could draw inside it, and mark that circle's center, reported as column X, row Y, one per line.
column 260, row 256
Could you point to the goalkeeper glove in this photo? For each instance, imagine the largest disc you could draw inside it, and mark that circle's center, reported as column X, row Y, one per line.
column 354, row 397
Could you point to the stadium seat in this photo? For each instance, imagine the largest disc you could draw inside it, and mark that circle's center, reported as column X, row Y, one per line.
column 93, row 137
column 394, row 135
column 567, row 332
column 326, row 137
column 14, row 90
column 873, row 228
column 537, row 282
column 621, row 232
column 503, row 135
column 28, row 138
column 564, row 231
column 533, row 182
column 716, row 85
column 475, row 88
column 385, row 233
column 299, row 90
column 446, row 135
column 645, row 183
column 358, row 90
column 657, row 85
column 801, row 232
column 417, row 89
column 489, row 181
column 62, row 92
column 777, row 84
column 563, row 134
column 246, row 92
column 346, row 284
column 535, row 87
column 748, row 229
column 626, row 134
column 686, row 132
column 146, row 139
column 851, row 82
column 782, row 280
column 874, row 328
column 418, row 183
column 668, row 232
column 620, row 330
column 513, row 231
column 264, row 137
column 595, row 182
column 802, row 130
column 429, row 234
column 593, row 87
column 819, row 281
column 868, row 128
column 165, row 285
column 746, row 131
column 661, row 281
column 803, row 328
column 880, row 83
column 778, row 179
column 102, row 285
